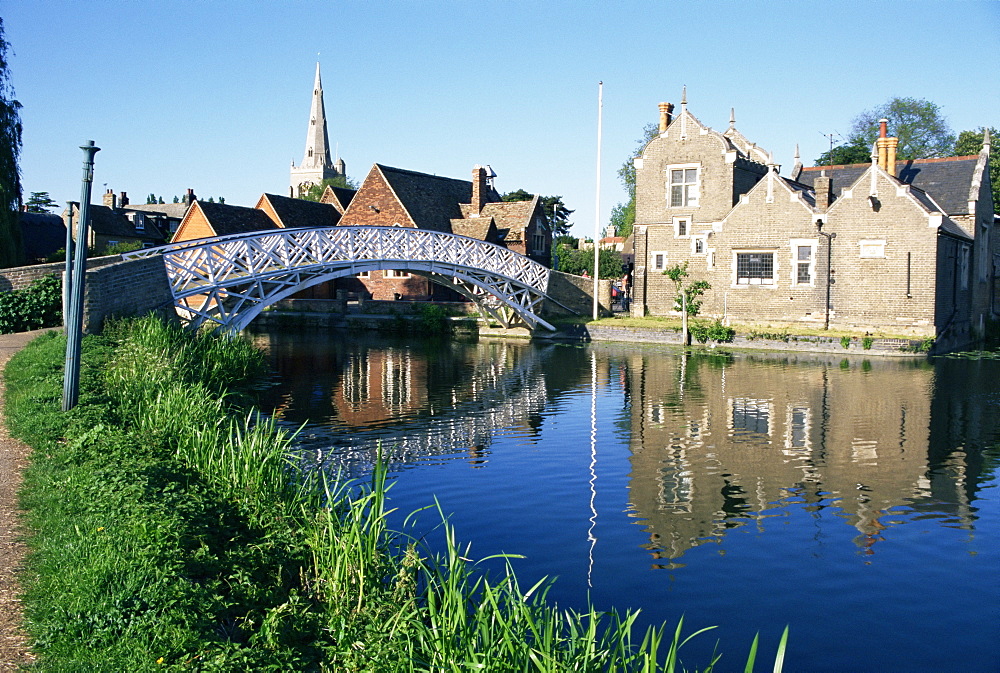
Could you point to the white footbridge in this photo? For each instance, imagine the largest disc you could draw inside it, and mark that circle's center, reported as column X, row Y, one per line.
column 229, row 280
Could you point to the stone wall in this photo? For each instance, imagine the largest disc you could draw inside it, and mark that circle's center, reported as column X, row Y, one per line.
column 575, row 295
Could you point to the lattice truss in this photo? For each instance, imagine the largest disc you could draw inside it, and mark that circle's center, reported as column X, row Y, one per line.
column 230, row 280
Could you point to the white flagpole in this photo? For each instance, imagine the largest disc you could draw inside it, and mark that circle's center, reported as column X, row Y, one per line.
column 597, row 212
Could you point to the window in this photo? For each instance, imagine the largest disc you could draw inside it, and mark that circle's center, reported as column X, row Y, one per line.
column 963, row 267
column 365, row 274
column 803, row 261
column 538, row 242
column 393, row 273
column 682, row 226
column 140, row 222
column 658, row 260
column 698, row 245
column 755, row 268
column 682, row 181
column 872, row 248
column 750, row 417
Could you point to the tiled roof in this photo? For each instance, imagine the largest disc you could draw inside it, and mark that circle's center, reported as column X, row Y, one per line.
column 948, row 180
column 172, row 210
column 298, row 213
column 515, row 216
column 481, row 228
column 432, row 201
column 107, row 222
column 226, row 219
column 341, row 197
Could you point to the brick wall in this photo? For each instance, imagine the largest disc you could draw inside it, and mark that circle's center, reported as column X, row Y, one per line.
column 576, row 294
column 129, row 288
column 20, row 277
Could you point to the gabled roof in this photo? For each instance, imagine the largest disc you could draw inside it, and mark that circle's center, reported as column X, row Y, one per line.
column 225, row 219
column 298, row 213
column 430, row 200
column 947, row 180
column 513, row 216
column 481, row 228
column 338, row 197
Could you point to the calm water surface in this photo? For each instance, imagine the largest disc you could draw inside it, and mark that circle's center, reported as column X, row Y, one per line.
column 854, row 499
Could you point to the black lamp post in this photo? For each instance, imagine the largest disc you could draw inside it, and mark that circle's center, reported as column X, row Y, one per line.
column 829, row 272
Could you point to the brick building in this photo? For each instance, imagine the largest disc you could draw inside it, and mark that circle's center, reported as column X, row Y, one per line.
column 906, row 246
column 393, row 197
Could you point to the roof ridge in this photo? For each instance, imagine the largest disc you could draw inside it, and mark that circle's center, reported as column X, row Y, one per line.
column 964, row 157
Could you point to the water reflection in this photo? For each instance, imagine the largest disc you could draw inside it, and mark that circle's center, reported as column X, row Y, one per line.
column 852, row 484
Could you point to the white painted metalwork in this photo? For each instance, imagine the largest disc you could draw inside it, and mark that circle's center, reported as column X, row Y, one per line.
column 229, row 280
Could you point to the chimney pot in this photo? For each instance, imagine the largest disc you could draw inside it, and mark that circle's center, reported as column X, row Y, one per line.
column 883, row 128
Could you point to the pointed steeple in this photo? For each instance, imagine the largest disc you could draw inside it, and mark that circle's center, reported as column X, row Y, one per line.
column 316, row 165
column 317, row 154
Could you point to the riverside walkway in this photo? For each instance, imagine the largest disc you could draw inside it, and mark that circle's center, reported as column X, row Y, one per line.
column 14, row 643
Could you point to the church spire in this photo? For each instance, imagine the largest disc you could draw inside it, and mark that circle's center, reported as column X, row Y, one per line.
column 317, row 153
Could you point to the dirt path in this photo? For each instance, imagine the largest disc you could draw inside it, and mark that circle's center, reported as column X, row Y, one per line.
column 14, row 644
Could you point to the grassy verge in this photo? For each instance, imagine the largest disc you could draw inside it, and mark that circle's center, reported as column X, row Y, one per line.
column 172, row 528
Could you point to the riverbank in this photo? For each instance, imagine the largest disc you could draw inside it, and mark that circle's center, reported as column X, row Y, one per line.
column 173, row 527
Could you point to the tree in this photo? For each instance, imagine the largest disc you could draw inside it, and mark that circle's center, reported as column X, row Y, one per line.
column 40, row 202
column 922, row 130
column 689, row 292
column 578, row 262
column 11, row 250
column 553, row 206
column 315, row 193
column 971, row 142
column 623, row 214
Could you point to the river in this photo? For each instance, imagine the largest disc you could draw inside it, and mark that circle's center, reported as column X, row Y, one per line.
column 854, row 499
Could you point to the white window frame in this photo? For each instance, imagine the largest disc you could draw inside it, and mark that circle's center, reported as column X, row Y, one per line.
column 695, row 240
column 751, row 282
column 964, row 258
column 364, row 274
column 652, row 260
column 395, row 273
column 793, row 275
column 538, row 242
column 691, row 191
column 870, row 248
column 678, row 222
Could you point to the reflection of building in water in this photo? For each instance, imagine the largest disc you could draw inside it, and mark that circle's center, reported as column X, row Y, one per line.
column 720, row 442
column 381, row 401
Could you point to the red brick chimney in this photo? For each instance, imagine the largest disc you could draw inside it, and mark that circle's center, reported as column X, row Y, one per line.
column 480, row 190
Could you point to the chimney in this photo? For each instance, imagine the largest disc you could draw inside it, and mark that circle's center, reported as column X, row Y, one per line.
column 123, row 199
column 890, row 158
column 110, row 200
column 882, row 143
column 823, row 186
column 189, row 198
column 666, row 110
column 479, row 190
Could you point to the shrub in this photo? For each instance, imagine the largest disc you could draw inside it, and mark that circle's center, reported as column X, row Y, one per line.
column 867, row 342
column 36, row 306
column 715, row 331
column 845, row 341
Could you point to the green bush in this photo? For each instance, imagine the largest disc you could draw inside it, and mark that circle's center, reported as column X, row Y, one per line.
column 35, row 307
column 845, row 341
column 715, row 331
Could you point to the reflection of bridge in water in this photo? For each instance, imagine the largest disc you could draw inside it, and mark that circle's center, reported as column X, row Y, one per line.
column 500, row 395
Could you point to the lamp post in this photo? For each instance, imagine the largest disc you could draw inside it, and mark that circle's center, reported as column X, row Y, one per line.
column 829, row 272
column 74, row 323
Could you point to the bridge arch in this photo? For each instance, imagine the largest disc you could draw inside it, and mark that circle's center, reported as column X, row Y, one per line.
column 229, row 280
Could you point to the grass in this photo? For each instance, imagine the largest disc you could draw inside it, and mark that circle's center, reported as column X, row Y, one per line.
column 173, row 528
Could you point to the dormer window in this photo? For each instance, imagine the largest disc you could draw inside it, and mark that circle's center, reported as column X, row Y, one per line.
column 139, row 221
column 682, row 185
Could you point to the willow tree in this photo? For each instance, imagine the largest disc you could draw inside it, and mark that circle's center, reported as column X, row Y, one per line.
column 11, row 252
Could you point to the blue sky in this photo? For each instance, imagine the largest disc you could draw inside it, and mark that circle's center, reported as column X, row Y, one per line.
column 215, row 95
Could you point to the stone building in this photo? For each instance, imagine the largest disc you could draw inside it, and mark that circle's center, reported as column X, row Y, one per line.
column 316, row 163
column 898, row 247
